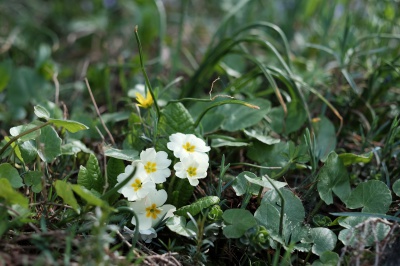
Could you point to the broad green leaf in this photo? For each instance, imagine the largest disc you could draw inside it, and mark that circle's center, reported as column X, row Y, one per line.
column 197, row 206
column 350, row 158
column 396, row 187
column 328, row 258
column 127, row 155
column 114, row 168
column 333, row 178
column 71, row 126
column 325, row 137
column 178, row 225
column 269, row 216
column 359, row 230
column 88, row 196
column 83, row 178
column 11, row 174
column 34, row 179
column 237, row 221
column 324, row 240
column 49, row 144
column 240, row 117
column 241, row 185
column 262, row 138
column 15, row 131
column 64, row 190
column 372, row 196
column 41, row 112
column 10, row 195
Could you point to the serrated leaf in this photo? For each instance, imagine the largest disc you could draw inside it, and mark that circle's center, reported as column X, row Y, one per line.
column 64, row 190
column 350, row 158
column 71, row 126
column 197, row 206
column 240, row 117
column 333, row 178
column 49, row 144
column 324, row 240
column 178, row 225
column 83, row 178
column 238, row 221
column 127, row 155
column 94, row 173
column 34, row 179
column 10, row 195
column 41, row 112
column 372, row 196
column 88, row 196
column 11, row 174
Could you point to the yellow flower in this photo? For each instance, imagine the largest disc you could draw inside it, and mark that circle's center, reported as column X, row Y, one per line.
column 144, row 102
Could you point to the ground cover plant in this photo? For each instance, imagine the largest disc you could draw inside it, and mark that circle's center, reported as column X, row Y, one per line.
column 199, row 132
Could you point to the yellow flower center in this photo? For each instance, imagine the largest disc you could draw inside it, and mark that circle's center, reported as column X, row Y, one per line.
column 192, row 171
column 188, row 147
column 152, row 211
column 137, row 184
column 150, row 167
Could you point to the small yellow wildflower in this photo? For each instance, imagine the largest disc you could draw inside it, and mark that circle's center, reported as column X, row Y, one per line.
column 144, row 102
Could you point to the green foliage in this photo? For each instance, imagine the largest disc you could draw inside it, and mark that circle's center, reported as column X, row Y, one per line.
column 238, row 222
column 11, row 174
column 197, row 206
column 10, row 195
column 372, row 196
column 90, row 176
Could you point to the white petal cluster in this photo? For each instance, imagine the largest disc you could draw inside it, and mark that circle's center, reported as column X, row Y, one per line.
column 191, row 150
column 153, row 168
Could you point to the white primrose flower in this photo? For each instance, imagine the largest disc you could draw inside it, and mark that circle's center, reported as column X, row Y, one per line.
column 150, row 210
column 156, row 164
column 184, row 145
column 140, row 184
column 193, row 168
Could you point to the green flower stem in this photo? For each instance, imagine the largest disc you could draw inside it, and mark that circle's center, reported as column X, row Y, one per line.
column 13, row 139
column 136, row 232
column 145, row 74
